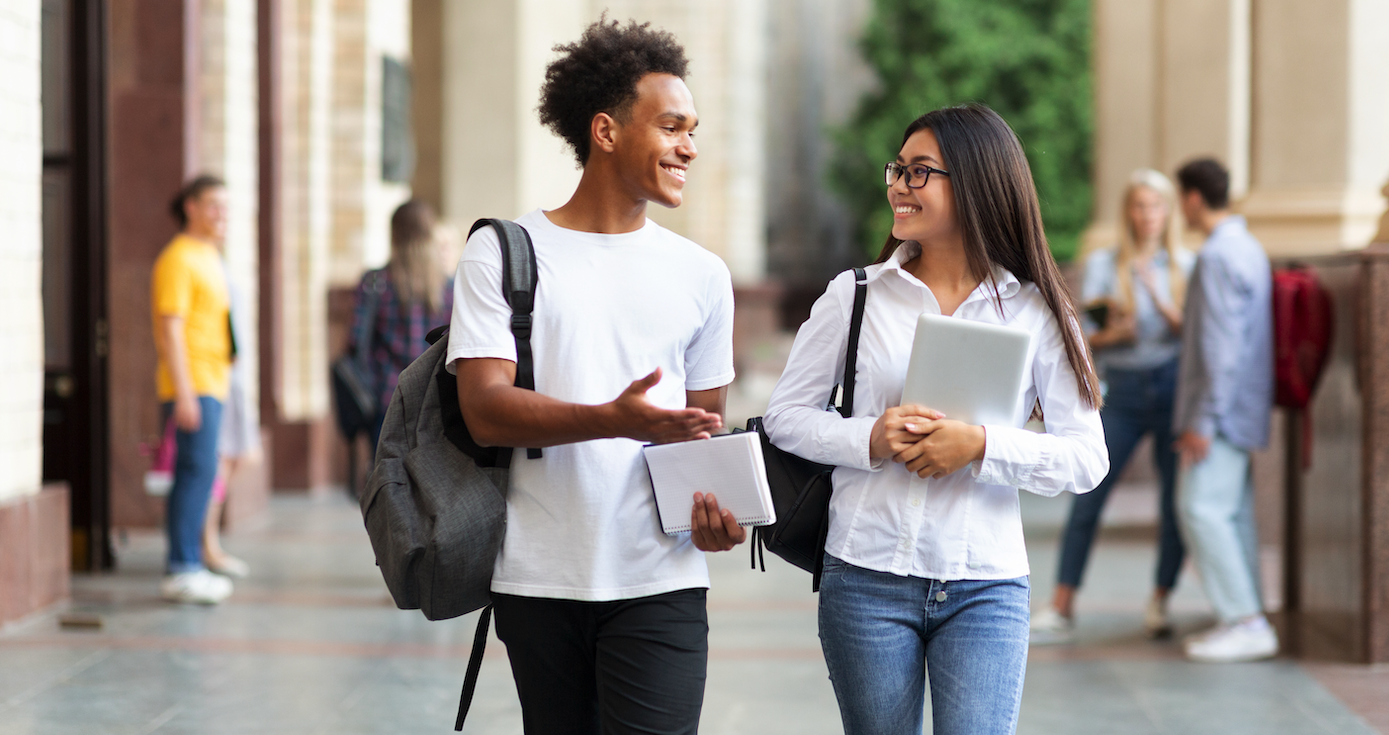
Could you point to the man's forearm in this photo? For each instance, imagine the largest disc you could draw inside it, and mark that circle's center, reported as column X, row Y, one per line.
column 176, row 358
column 507, row 416
column 499, row 414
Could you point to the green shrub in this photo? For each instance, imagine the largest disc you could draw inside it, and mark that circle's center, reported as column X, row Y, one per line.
column 1027, row 59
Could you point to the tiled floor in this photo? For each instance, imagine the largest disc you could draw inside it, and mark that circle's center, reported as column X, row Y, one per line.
column 311, row 644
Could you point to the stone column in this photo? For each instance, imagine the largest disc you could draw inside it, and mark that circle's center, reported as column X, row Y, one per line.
column 1320, row 153
column 1171, row 83
column 21, row 252
column 1125, row 64
column 499, row 161
column 301, row 431
column 152, row 114
column 227, row 140
column 364, row 33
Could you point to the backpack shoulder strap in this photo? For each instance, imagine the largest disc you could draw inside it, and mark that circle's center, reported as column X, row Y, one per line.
column 846, row 406
column 519, row 279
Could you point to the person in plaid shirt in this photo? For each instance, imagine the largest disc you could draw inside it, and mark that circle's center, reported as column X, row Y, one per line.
column 414, row 295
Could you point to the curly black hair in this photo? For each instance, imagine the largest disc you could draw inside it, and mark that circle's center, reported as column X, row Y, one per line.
column 599, row 73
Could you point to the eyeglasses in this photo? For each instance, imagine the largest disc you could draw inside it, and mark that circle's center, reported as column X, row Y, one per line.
column 917, row 174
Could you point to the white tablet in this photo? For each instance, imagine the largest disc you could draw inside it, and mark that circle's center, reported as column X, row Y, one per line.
column 969, row 371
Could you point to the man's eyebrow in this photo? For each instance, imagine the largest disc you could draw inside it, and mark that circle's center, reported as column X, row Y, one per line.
column 679, row 117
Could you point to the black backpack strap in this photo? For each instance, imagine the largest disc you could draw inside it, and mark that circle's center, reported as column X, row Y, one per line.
column 846, row 406
column 474, row 666
column 519, row 279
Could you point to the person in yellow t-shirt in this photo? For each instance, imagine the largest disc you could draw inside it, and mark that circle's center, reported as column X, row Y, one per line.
column 191, row 313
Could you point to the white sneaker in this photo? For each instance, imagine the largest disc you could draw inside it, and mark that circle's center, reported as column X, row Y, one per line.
column 1050, row 627
column 201, row 587
column 1155, row 620
column 1248, row 640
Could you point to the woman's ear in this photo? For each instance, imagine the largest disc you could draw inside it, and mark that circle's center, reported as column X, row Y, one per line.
column 603, row 131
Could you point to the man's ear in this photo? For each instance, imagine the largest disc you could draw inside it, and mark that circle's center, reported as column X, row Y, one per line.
column 603, row 132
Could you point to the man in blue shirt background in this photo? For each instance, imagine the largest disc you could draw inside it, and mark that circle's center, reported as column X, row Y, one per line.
column 1224, row 401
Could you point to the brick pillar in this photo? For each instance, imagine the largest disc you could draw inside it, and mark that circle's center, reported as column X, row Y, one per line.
column 151, row 86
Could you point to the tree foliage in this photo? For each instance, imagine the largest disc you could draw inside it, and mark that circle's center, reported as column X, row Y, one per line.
column 1027, row 59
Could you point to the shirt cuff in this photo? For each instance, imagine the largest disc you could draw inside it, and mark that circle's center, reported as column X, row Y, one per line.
column 1205, row 426
column 1010, row 456
column 859, row 430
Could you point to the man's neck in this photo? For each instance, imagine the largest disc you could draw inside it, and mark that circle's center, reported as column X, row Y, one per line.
column 600, row 205
column 1211, row 219
column 202, row 237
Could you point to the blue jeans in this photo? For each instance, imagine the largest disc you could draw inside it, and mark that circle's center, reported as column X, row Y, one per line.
column 1216, row 500
column 194, row 470
column 882, row 634
column 1137, row 403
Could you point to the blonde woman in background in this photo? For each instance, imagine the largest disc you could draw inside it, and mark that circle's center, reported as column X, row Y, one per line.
column 1134, row 293
column 414, row 294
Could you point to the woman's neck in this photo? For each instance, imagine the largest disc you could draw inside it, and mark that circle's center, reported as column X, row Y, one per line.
column 1146, row 249
column 944, row 268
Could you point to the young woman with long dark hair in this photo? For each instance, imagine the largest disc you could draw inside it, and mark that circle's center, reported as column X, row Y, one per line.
column 925, row 566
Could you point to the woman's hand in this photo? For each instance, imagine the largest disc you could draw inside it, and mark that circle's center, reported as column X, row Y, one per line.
column 1170, row 313
column 947, row 446
column 890, row 433
column 1120, row 328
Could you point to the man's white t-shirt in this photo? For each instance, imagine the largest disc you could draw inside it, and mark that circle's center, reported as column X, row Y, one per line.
column 609, row 309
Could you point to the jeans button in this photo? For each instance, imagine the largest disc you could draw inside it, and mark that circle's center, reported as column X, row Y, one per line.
column 940, row 596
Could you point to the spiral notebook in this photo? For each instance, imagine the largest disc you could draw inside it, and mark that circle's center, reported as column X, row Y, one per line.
column 729, row 466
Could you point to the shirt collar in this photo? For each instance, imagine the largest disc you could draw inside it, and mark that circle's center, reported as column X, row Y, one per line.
column 1008, row 284
column 1234, row 222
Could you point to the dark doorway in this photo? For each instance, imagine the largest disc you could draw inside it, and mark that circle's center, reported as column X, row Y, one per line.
column 75, row 424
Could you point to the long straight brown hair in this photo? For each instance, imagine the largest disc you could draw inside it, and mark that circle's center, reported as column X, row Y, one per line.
column 1001, row 220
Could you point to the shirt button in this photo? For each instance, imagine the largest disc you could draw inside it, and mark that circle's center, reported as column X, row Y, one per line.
column 940, row 596
column 916, row 502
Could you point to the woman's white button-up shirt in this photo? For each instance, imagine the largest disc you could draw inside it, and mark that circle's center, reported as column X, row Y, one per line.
column 882, row 517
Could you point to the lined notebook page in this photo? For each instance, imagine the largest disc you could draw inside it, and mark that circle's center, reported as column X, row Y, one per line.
column 729, row 466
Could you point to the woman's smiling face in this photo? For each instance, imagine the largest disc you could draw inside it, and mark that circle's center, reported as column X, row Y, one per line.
column 929, row 212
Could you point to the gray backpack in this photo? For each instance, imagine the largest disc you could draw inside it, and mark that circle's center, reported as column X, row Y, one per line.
column 435, row 503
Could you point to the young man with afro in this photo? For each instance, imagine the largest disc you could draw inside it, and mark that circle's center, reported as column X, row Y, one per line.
column 602, row 614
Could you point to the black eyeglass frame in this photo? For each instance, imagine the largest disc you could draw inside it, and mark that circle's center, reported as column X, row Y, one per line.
column 902, row 170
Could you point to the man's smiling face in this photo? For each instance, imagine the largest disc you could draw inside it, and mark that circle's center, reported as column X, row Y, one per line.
column 655, row 140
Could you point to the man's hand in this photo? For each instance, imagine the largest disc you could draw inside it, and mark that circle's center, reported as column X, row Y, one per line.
column 1192, row 447
column 947, row 446
column 188, row 415
column 638, row 419
column 890, row 434
column 713, row 529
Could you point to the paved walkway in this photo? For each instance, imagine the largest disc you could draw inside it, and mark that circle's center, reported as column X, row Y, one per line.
column 311, row 644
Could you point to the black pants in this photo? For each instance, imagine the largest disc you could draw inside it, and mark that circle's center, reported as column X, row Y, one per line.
column 626, row 666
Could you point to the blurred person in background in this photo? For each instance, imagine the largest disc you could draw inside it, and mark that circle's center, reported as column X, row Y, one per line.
column 192, row 333
column 237, row 444
column 1135, row 292
column 413, row 294
column 1223, row 406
